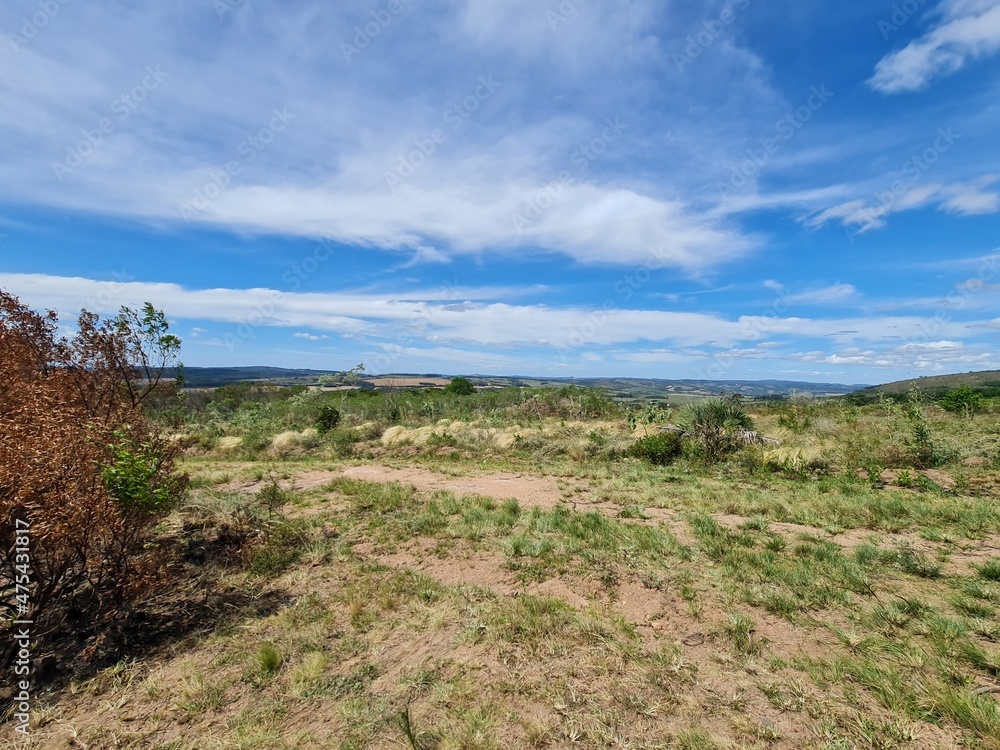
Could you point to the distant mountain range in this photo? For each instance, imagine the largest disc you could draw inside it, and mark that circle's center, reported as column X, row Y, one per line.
column 626, row 388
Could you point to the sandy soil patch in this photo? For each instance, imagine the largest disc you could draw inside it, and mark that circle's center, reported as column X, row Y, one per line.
column 547, row 493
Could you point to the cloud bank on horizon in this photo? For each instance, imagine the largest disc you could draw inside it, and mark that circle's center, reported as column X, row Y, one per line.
column 569, row 187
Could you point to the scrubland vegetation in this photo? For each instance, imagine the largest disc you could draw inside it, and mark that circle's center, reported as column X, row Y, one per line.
column 546, row 568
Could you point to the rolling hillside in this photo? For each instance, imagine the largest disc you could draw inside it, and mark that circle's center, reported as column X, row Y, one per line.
column 940, row 383
column 621, row 388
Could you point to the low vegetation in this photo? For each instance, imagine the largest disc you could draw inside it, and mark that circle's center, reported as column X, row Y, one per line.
column 547, row 567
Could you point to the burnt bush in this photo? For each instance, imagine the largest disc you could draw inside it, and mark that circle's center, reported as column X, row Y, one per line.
column 84, row 477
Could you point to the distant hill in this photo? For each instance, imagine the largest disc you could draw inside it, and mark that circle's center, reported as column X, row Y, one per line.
column 214, row 377
column 621, row 388
column 936, row 384
column 751, row 388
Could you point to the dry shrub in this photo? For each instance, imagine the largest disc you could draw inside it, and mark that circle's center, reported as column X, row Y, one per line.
column 79, row 464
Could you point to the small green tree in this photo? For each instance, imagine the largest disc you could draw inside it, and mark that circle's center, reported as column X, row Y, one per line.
column 922, row 445
column 962, row 400
column 460, row 387
column 345, row 377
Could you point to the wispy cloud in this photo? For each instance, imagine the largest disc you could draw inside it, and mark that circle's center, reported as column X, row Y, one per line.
column 382, row 317
column 929, row 357
column 833, row 294
column 205, row 148
column 968, row 30
column 963, row 198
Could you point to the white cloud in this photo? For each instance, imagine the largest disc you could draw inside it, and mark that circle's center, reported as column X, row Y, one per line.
column 354, row 121
column 383, row 318
column 586, row 222
column 972, row 203
column 967, row 31
column 309, row 336
column 965, row 198
column 930, row 356
column 828, row 295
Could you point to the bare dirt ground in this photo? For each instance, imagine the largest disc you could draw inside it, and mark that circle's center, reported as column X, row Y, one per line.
column 657, row 614
column 548, row 493
column 660, row 616
column 724, row 692
column 530, row 491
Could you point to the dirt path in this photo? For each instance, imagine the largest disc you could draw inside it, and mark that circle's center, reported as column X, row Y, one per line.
column 531, row 491
column 548, row 493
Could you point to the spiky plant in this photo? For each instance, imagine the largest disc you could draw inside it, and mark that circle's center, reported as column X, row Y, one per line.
column 718, row 426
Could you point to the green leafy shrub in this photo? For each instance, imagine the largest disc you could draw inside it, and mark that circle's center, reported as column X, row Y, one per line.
column 442, row 440
column 925, row 451
column 659, row 449
column 873, row 473
column 271, row 496
column 791, row 419
column 343, row 441
column 327, row 419
column 961, row 400
column 134, row 476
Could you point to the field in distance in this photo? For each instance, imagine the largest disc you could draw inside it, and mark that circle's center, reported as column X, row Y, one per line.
column 622, row 388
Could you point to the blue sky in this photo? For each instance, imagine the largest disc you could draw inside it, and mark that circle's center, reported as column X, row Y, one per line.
column 743, row 189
